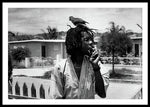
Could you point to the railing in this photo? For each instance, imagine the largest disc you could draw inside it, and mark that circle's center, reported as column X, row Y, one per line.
column 123, row 60
column 35, row 62
column 39, row 62
column 36, row 88
column 10, row 96
column 30, row 88
column 138, row 95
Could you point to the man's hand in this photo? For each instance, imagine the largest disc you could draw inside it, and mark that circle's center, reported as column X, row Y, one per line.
column 95, row 57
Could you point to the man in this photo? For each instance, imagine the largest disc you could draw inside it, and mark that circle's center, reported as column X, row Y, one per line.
column 79, row 76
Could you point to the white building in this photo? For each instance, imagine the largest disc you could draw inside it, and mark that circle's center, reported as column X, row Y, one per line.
column 43, row 48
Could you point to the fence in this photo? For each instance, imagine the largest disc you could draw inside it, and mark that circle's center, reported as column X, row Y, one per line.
column 36, row 88
column 30, row 88
column 138, row 95
column 39, row 62
column 123, row 60
column 33, row 62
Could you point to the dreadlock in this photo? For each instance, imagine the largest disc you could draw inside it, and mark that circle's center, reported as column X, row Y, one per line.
column 73, row 39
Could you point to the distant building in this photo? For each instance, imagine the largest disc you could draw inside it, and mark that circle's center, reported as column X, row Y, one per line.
column 43, row 48
column 55, row 48
column 137, row 46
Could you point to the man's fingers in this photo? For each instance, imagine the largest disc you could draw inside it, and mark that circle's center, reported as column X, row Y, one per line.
column 96, row 60
column 95, row 53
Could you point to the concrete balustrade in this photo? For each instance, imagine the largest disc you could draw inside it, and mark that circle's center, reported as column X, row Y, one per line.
column 36, row 88
column 40, row 86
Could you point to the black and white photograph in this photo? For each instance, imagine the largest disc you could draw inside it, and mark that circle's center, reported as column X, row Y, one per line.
column 75, row 53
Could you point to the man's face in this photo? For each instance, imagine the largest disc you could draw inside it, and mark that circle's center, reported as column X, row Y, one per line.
column 87, row 43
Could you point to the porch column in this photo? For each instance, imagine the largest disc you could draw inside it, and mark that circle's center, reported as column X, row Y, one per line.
column 62, row 50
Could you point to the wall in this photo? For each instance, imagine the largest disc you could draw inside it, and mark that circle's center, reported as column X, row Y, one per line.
column 35, row 48
column 64, row 51
column 53, row 49
column 137, row 41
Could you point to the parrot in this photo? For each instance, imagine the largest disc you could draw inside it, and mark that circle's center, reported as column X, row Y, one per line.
column 77, row 21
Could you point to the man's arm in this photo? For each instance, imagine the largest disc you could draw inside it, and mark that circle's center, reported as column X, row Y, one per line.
column 99, row 84
column 100, row 79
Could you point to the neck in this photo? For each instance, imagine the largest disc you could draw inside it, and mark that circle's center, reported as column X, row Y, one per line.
column 77, row 59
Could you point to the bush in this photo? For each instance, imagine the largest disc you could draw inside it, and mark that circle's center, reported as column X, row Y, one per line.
column 20, row 53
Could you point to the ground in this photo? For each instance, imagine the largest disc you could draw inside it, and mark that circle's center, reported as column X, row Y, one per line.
column 124, row 84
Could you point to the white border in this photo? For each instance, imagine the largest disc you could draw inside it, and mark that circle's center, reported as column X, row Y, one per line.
column 144, row 6
column 75, row 5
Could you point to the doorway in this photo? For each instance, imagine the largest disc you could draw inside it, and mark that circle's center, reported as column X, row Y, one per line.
column 43, row 51
column 136, row 50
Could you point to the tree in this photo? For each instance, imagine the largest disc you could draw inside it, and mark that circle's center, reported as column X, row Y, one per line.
column 11, row 36
column 116, row 42
column 52, row 32
column 20, row 53
column 18, row 37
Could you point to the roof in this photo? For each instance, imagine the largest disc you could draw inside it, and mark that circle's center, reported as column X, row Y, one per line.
column 136, row 37
column 35, row 40
column 56, row 40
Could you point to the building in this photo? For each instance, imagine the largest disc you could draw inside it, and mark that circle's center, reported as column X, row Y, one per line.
column 43, row 48
column 137, row 46
column 56, row 48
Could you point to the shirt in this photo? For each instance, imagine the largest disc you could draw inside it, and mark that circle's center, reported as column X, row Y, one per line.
column 65, row 83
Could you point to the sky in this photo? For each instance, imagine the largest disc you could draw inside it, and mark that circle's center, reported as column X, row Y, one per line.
column 33, row 20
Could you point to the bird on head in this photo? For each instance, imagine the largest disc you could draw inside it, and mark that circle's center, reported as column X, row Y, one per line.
column 77, row 21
